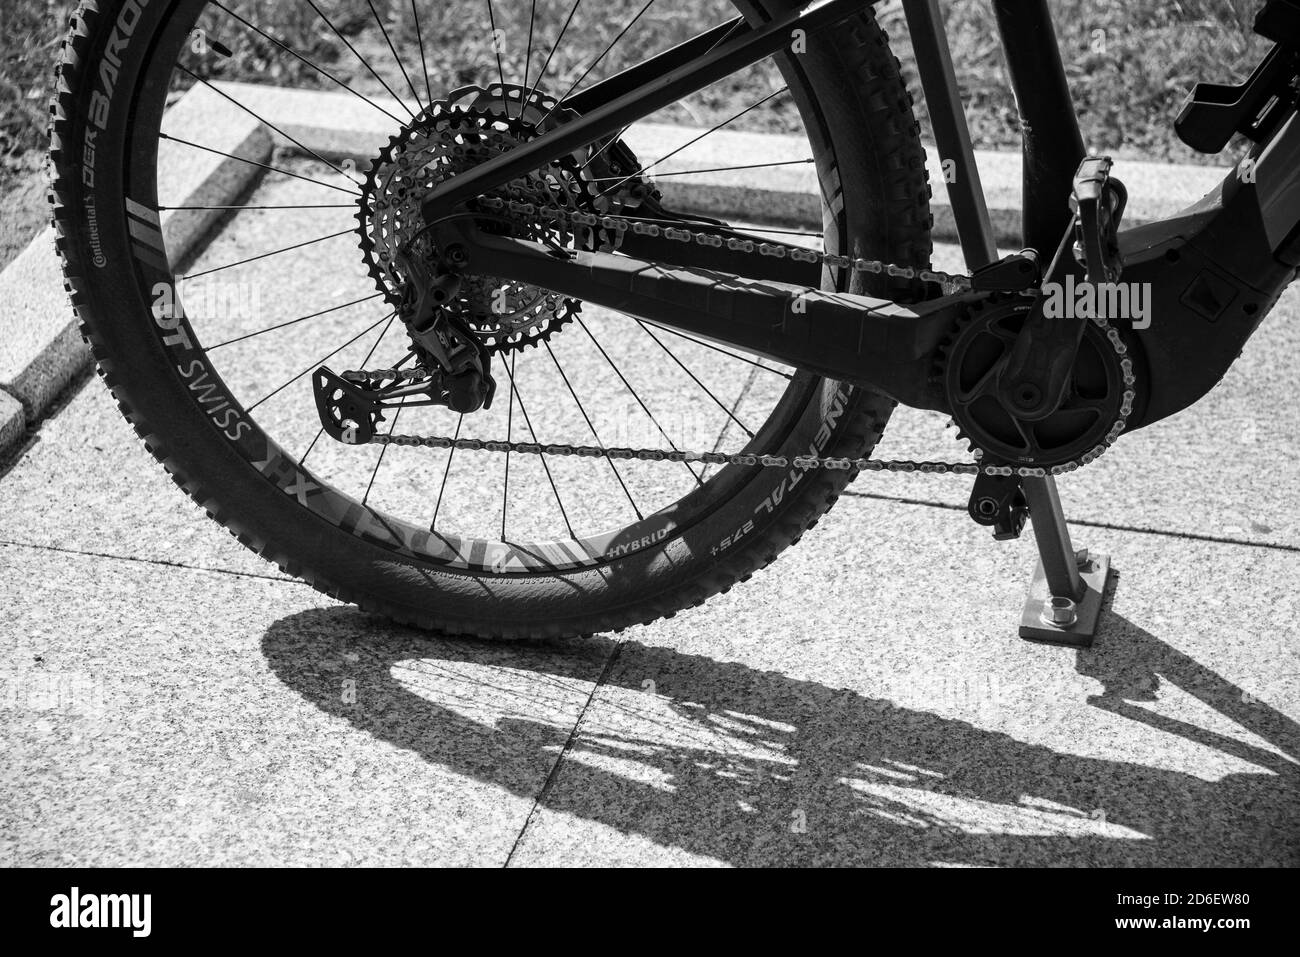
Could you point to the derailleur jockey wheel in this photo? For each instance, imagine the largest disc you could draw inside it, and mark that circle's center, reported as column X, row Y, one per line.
column 1093, row 403
column 452, row 136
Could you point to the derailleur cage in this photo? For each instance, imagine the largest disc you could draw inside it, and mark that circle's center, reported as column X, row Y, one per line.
column 352, row 405
column 453, row 370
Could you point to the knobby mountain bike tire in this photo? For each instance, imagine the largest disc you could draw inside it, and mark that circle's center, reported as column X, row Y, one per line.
column 118, row 66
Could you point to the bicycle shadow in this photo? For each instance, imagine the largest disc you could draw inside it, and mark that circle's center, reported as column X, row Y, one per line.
column 751, row 767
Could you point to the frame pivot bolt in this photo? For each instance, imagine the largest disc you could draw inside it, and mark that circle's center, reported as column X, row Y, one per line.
column 1059, row 612
column 1028, row 395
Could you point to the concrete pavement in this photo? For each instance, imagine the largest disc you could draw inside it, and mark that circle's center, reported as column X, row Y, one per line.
column 171, row 699
column 168, row 698
column 162, row 714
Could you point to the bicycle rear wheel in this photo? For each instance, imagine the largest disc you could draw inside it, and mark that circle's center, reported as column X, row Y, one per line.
column 463, row 541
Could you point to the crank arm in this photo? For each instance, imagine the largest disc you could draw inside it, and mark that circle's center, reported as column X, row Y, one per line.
column 1037, row 371
column 658, row 92
column 871, row 342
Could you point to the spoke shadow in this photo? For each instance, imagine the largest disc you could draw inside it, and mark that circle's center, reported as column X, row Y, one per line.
column 749, row 767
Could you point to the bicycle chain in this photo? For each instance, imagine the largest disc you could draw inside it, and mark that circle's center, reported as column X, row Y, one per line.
column 620, row 224
column 950, row 283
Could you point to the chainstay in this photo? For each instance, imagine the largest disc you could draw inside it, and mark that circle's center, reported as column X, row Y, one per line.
column 803, row 462
column 621, row 224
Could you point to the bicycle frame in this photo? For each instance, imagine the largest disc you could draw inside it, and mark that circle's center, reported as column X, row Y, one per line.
column 1215, row 269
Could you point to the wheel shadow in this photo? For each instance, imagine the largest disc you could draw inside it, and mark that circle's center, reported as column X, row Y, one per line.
column 749, row 767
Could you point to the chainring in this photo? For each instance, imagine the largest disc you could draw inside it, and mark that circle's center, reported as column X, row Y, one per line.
column 447, row 138
column 1095, row 400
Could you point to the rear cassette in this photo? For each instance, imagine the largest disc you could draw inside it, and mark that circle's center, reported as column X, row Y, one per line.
column 470, row 127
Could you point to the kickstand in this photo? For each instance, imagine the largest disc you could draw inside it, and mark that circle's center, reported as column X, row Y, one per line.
column 1064, row 603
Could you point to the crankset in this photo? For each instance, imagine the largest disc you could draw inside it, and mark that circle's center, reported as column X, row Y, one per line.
column 1099, row 394
column 1033, row 380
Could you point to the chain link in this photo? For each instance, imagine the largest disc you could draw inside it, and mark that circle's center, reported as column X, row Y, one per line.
column 951, row 283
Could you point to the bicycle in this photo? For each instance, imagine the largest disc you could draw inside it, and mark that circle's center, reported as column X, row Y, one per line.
column 507, row 218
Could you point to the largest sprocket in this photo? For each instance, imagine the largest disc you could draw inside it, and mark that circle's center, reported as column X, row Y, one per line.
column 450, row 137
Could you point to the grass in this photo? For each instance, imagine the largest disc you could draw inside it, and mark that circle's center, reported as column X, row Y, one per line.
column 1131, row 62
column 30, row 32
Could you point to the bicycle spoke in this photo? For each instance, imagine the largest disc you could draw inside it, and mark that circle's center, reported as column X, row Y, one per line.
column 384, row 30
column 424, row 63
column 739, row 22
column 710, row 345
column 375, row 348
column 510, row 437
column 315, row 365
column 596, row 62
column 636, row 395
column 242, row 159
column 445, row 473
column 163, row 209
column 717, row 169
column 555, row 46
column 778, row 232
column 364, row 362
column 607, row 144
column 319, row 433
column 594, row 433
column 364, row 62
column 496, row 43
column 609, row 38
column 276, row 252
column 269, row 124
column 514, row 388
column 709, row 392
column 709, row 131
column 383, row 450
column 292, row 322
column 528, row 53
column 321, row 70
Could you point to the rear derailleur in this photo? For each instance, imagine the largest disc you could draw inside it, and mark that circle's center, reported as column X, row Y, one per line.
column 452, row 368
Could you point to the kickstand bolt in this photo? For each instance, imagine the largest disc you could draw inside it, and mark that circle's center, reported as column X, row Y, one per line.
column 1059, row 612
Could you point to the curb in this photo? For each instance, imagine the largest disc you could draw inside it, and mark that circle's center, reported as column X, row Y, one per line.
column 44, row 351
column 339, row 126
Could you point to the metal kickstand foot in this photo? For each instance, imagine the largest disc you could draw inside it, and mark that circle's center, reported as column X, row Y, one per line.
column 1064, row 603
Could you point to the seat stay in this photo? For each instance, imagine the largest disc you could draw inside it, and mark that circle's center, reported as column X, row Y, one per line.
column 657, row 92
